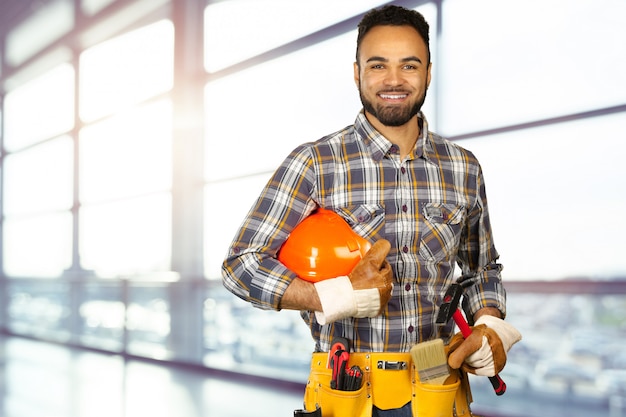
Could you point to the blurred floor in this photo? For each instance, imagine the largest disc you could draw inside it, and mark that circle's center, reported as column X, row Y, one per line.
column 47, row 380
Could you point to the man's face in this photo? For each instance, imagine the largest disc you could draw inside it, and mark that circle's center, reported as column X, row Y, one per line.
column 392, row 74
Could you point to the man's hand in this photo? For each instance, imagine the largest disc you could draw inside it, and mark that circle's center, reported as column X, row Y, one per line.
column 484, row 351
column 363, row 293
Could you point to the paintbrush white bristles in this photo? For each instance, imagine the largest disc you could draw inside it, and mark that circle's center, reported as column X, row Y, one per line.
column 431, row 362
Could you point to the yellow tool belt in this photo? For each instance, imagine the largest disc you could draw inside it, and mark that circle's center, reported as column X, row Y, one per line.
column 389, row 381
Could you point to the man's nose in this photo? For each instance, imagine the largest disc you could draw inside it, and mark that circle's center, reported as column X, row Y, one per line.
column 393, row 77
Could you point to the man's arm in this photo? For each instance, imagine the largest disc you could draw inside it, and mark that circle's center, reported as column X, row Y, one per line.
column 251, row 270
column 478, row 258
column 484, row 351
column 300, row 295
column 488, row 311
column 364, row 292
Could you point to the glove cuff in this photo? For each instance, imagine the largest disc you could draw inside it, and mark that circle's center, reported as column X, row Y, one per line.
column 367, row 302
column 337, row 299
column 505, row 331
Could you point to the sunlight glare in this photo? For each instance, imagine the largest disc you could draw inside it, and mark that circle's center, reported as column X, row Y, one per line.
column 126, row 70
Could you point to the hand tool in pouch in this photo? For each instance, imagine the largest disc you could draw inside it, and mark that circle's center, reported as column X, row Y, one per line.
column 450, row 309
column 338, row 357
column 354, row 378
column 431, row 362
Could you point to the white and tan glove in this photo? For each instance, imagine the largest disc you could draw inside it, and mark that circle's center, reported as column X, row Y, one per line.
column 363, row 293
column 484, row 351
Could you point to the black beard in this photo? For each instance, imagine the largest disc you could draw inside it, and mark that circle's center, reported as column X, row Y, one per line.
column 393, row 115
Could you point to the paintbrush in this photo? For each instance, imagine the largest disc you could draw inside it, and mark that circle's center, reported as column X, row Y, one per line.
column 431, row 362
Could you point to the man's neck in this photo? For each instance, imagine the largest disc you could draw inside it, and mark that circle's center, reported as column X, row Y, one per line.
column 403, row 136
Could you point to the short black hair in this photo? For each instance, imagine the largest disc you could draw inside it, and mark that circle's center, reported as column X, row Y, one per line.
column 392, row 15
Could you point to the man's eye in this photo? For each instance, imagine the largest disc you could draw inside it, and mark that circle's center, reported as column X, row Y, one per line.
column 377, row 66
column 410, row 67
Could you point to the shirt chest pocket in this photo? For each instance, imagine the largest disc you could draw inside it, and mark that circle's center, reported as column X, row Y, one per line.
column 366, row 220
column 441, row 231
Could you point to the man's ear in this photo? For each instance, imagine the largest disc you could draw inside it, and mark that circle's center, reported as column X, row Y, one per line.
column 430, row 65
column 357, row 74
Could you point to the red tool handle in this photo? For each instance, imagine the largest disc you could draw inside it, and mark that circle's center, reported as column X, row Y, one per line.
column 462, row 323
column 498, row 384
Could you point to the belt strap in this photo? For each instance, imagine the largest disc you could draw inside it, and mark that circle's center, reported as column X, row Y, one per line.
column 373, row 360
column 304, row 413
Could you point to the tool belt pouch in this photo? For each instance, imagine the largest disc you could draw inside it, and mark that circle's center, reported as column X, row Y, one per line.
column 431, row 400
column 389, row 381
column 333, row 402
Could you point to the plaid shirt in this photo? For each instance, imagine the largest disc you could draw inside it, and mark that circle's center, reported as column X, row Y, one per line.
column 431, row 207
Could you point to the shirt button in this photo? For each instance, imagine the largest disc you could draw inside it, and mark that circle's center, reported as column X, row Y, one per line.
column 404, row 208
column 405, row 249
column 393, row 149
column 410, row 329
column 236, row 249
column 403, row 170
column 407, row 287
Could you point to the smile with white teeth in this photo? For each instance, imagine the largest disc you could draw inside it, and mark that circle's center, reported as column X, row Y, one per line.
column 393, row 96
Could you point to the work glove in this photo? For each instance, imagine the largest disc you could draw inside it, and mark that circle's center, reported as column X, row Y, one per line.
column 363, row 293
column 484, row 351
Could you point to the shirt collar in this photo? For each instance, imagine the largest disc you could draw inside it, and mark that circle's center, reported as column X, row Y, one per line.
column 378, row 146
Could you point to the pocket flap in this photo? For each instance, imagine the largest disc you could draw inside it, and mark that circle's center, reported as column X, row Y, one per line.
column 443, row 213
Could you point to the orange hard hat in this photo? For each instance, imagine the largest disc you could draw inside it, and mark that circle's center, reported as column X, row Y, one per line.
column 322, row 246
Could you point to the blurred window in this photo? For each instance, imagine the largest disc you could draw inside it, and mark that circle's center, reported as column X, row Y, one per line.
column 39, row 179
column 91, row 7
column 102, row 315
column 49, row 22
column 555, row 198
column 39, row 308
column 505, row 63
column 40, row 108
column 126, row 168
column 128, row 154
column 127, row 237
column 148, row 321
column 222, row 220
column 231, row 25
column 37, row 245
column 126, row 70
column 265, row 140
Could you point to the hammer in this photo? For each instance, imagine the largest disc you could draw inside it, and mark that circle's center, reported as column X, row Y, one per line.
column 450, row 309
